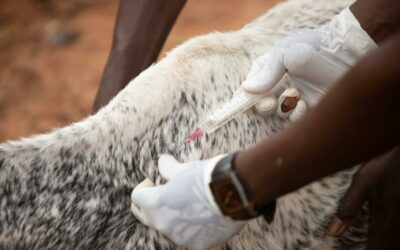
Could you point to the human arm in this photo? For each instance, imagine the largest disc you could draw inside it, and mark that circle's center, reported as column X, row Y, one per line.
column 341, row 44
column 380, row 19
column 356, row 121
column 376, row 182
column 141, row 29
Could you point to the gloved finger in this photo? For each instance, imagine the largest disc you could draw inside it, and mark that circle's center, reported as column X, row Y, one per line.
column 169, row 167
column 299, row 111
column 262, row 107
column 138, row 198
column 287, row 102
column 272, row 70
column 267, row 105
column 256, row 67
column 268, row 69
column 299, row 58
column 349, row 207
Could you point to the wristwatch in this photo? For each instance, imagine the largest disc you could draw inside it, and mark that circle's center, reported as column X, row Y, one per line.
column 232, row 196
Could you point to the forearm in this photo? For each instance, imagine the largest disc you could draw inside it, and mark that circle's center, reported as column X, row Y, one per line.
column 379, row 18
column 357, row 120
column 141, row 29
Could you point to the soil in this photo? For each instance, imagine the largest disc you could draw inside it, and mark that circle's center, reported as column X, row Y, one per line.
column 52, row 53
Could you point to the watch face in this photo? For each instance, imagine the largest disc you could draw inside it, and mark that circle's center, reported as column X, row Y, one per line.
column 226, row 196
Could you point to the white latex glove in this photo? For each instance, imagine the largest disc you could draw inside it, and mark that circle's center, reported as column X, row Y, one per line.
column 183, row 209
column 313, row 58
column 294, row 109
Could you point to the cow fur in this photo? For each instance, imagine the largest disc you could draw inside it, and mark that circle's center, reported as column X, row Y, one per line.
column 70, row 188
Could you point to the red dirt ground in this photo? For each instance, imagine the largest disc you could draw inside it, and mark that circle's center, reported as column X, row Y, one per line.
column 43, row 86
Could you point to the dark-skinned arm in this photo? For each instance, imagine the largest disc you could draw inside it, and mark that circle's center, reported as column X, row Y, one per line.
column 357, row 120
column 378, row 182
column 379, row 18
column 141, row 29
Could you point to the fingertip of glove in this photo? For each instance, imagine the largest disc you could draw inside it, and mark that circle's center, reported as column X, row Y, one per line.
column 250, row 86
column 298, row 111
column 167, row 163
column 166, row 158
column 261, row 83
column 135, row 210
column 267, row 105
column 146, row 183
column 137, row 213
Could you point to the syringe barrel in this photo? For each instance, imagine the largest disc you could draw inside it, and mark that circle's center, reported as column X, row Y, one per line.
column 228, row 111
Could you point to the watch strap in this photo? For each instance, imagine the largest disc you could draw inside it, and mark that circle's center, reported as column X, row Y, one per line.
column 232, row 196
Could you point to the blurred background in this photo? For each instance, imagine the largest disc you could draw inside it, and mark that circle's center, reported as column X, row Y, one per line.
column 52, row 54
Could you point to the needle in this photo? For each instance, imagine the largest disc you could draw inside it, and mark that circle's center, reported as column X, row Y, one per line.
column 192, row 137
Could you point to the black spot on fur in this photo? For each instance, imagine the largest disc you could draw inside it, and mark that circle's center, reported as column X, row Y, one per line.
column 183, row 100
column 213, row 142
column 65, row 153
column 194, row 98
column 212, row 77
column 246, row 53
column 303, row 243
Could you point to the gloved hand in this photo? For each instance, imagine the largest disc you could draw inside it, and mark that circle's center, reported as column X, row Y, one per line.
column 313, row 58
column 183, row 209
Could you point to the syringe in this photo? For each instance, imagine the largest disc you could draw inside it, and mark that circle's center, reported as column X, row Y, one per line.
column 237, row 105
